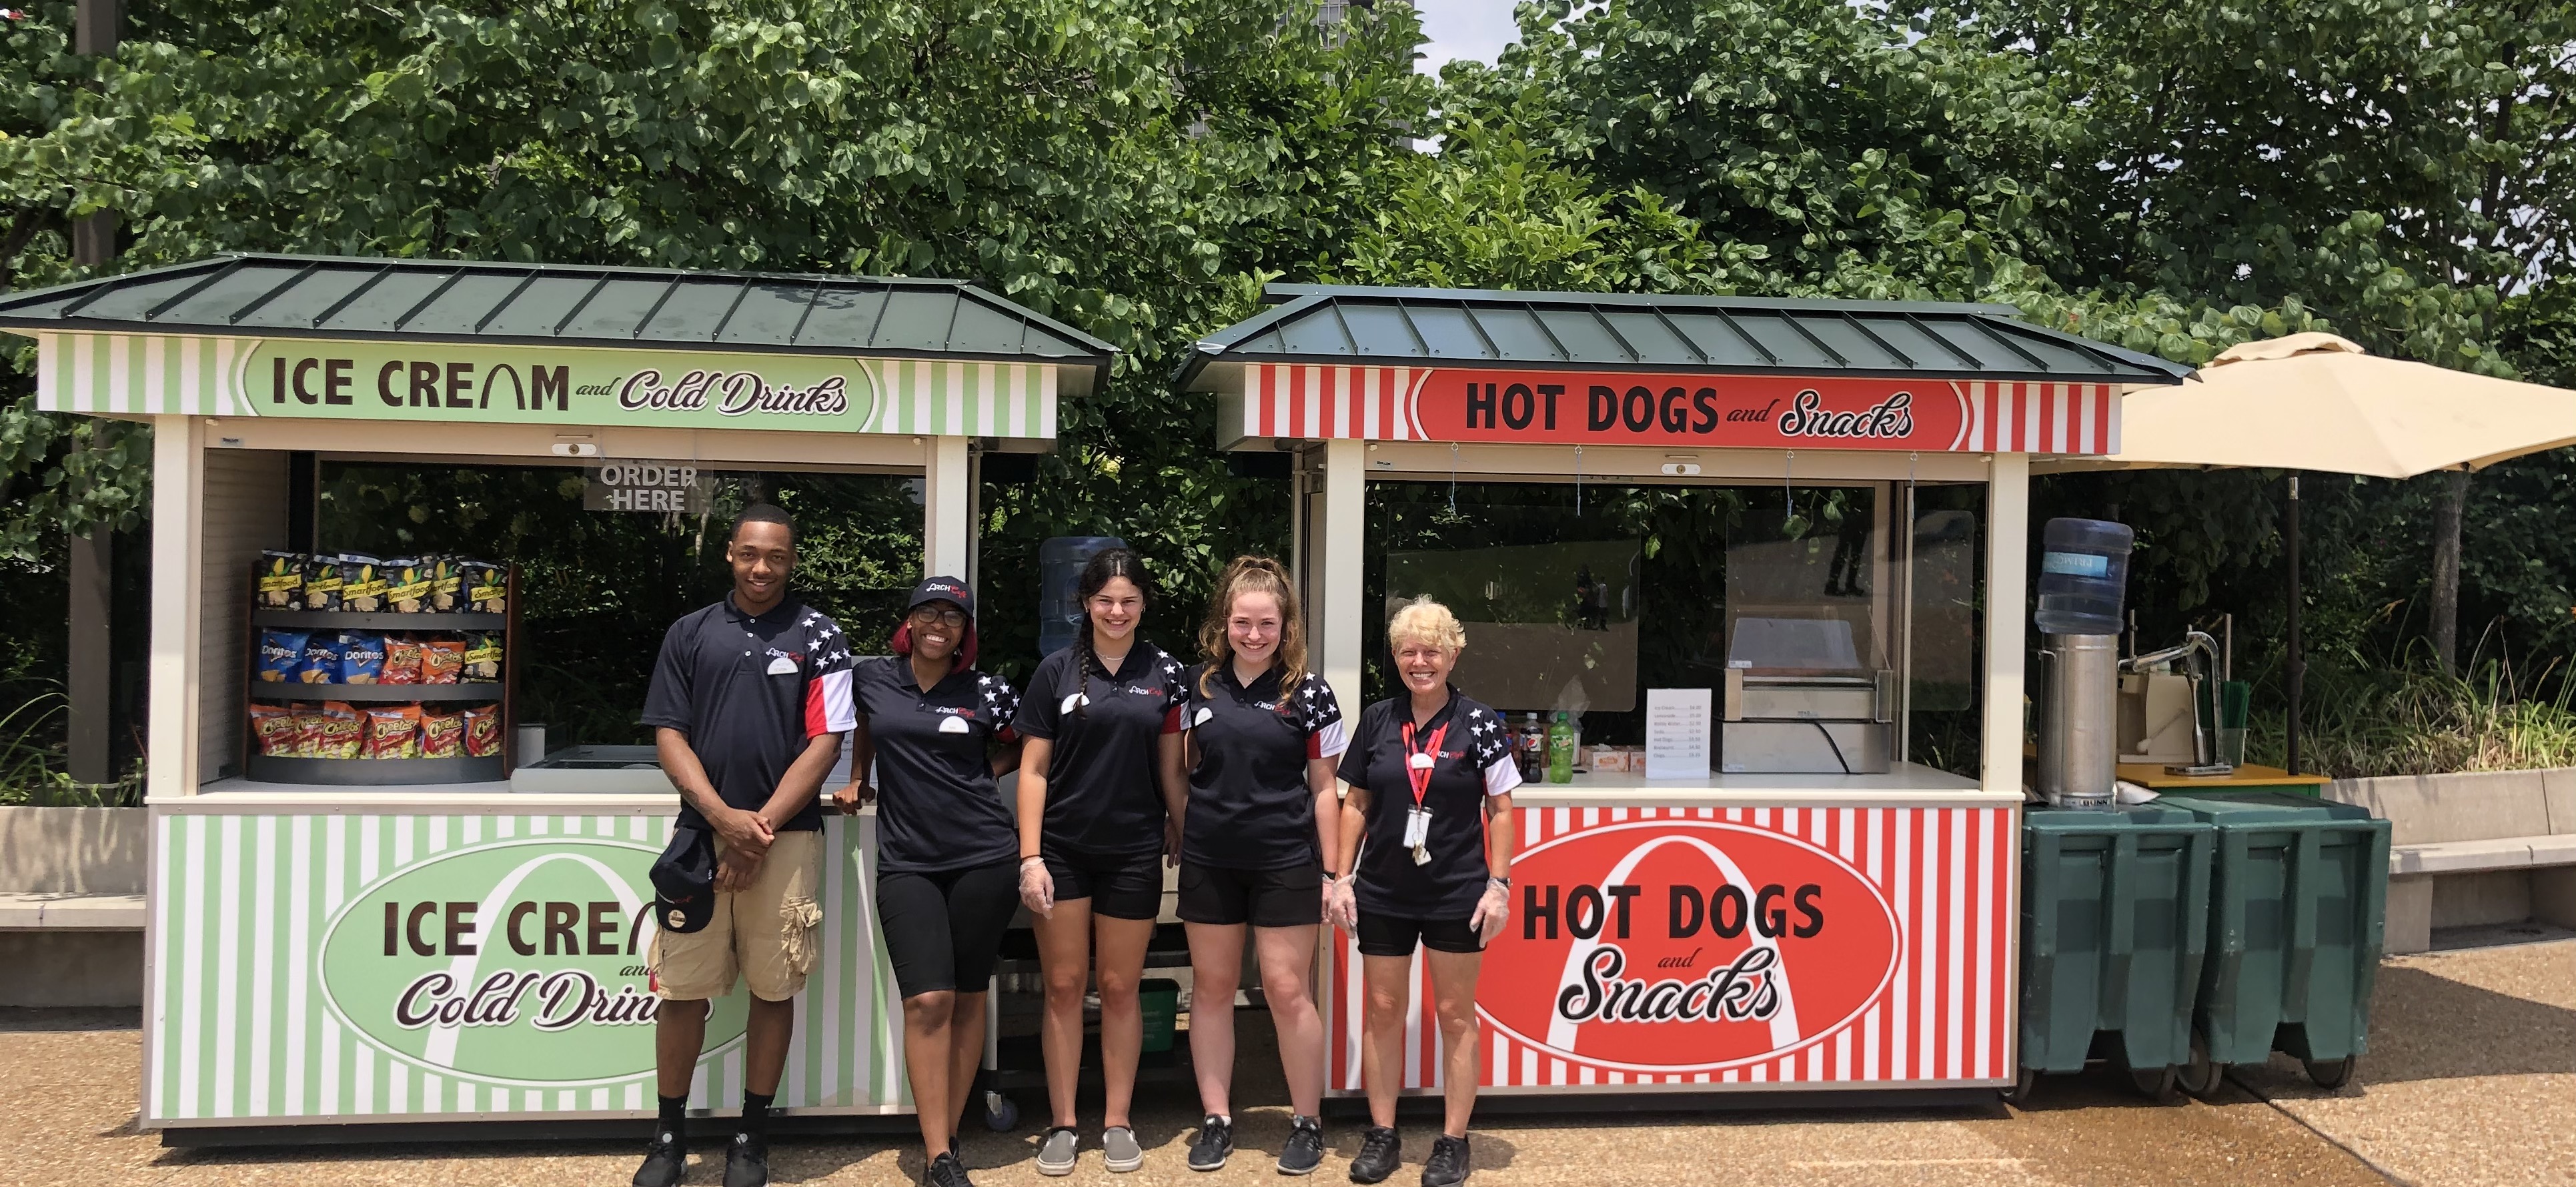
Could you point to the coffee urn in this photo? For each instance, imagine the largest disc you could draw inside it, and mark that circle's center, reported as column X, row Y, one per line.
column 2083, row 580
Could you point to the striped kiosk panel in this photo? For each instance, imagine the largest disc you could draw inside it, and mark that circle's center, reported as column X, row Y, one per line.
column 1679, row 949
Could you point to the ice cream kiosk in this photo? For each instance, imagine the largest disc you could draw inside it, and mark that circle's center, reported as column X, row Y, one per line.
column 377, row 893
column 1769, row 558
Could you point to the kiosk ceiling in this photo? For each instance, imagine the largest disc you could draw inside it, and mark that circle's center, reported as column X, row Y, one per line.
column 250, row 335
column 1464, row 365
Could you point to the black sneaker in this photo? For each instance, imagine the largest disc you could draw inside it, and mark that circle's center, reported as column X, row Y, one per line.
column 1214, row 1144
column 747, row 1161
column 1305, row 1149
column 1447, row 1166
column 665, row 1160
column 946, row 1171
column 1381, row 1151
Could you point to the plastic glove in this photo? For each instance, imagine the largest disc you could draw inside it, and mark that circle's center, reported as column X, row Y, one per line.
column 1492, row 912
column 1342, row 904
column 1037, row 887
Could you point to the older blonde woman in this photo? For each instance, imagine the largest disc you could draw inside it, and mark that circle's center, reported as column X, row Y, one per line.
column 1430, row 812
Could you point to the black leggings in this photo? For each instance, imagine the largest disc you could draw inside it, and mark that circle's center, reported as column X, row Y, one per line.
column 944, row 929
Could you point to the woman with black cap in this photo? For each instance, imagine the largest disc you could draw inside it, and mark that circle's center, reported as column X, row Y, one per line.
column 936, row 732
column 1100, row 783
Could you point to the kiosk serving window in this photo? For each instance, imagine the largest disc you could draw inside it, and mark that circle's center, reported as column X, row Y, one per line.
column 597, row 588
column 1831, row 641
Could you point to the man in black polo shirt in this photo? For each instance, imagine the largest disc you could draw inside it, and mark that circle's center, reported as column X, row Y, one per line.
column 749, row 701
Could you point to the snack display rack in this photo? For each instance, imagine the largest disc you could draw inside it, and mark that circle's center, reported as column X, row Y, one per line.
column 388, row 772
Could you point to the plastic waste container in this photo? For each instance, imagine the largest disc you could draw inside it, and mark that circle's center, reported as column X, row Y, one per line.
column 2298, row 912
column 2114, row 910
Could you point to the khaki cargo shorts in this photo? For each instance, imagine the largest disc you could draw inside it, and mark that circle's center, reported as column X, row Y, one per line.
column 765, row 933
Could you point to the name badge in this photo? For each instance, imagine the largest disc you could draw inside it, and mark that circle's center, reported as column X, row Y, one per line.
column 1205, row 716
column 1421, row 762
column 954, row 725
column 781, row 665
column 1417, row 827
column 1073, row 702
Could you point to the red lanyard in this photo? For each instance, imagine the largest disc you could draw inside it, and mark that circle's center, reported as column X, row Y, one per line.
column 1420, row 774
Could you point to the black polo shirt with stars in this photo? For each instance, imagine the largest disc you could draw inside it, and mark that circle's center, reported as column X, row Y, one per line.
column 1475, row 761
column 751, row 691
column 1250, row 807
column 1103, row 798
column 938, row 806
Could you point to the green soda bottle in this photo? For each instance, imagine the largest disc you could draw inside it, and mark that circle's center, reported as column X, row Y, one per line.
column 1560, row 748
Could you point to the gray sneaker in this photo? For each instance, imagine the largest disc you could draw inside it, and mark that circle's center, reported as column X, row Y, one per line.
column 1119, row 1149
column 1056, row 1152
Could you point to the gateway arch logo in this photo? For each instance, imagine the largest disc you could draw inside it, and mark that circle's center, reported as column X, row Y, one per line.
column 520, row 961
column 1687, row 945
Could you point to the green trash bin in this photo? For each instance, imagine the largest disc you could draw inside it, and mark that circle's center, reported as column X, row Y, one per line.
column 2298, row 911
column 2113, row 911
column 1159, row 999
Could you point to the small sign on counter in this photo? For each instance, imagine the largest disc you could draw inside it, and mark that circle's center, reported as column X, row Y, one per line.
column 648, row 486
column 1677, row 724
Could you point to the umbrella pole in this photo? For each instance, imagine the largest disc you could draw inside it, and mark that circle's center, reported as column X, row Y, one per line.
column 2298, row 659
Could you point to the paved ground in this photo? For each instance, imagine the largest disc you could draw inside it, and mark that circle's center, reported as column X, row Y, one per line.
column 2471, row 1080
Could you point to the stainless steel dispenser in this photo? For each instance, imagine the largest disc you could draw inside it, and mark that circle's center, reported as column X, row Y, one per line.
column 2079, row 738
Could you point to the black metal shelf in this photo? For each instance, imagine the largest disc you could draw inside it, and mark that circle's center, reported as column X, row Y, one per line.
column 348, row 620
column 375, row 772
column 401, row 694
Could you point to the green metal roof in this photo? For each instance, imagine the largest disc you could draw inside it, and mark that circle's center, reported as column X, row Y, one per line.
column 1349, row 325
column 562, row 305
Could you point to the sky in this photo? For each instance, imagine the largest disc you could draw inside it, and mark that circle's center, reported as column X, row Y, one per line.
column 1475, row 29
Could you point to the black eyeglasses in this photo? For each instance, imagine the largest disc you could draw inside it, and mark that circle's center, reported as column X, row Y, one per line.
column 927, row 615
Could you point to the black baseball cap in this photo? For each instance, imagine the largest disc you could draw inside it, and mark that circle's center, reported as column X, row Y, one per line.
column 943, row 589
column 684, row 882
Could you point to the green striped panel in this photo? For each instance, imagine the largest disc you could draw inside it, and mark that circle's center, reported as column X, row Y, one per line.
column 238, row 1025
column 142, row 374
column 948, row 398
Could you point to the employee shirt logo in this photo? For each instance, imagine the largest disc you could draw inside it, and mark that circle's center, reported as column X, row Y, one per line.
column 1669, row 946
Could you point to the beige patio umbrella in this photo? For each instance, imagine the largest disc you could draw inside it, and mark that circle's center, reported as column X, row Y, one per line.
column 2320, row 402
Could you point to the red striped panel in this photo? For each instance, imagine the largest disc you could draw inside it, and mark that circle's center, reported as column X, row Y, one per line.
column 1945, row 1015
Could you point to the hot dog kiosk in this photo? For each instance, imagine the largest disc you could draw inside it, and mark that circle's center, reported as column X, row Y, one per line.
column 1780, row 545
column 415, row 931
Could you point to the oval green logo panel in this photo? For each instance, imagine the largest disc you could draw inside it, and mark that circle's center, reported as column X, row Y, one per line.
column 519, row 961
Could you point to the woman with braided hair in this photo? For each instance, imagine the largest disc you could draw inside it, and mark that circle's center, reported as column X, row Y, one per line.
column 1100, row 788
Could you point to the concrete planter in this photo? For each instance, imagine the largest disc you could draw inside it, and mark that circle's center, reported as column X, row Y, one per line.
column 2471, row 849
column 71, row 886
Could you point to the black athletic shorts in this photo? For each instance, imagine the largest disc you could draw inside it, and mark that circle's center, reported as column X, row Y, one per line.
column 1293, row 897
column 1118, row 887
column 1394, row 935
column 944, row 929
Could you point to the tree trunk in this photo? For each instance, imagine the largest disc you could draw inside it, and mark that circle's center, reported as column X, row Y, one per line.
column 2445, row 628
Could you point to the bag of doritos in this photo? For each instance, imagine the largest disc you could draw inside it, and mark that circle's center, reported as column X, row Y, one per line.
column 321, row 659
column 393, row 731
column 279, row 584
column 281, row 654
column 362, row 657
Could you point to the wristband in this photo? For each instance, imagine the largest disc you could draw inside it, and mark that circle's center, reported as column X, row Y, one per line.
column 1026, row 860
column 1505, row 883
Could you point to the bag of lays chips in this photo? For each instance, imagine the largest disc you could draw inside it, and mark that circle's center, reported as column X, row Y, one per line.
column 279, row 584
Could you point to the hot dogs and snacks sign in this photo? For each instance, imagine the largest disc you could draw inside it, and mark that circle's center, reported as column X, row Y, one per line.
column 482, row 384
column 400, row 966
column 1676, row 409
column 1737, row 946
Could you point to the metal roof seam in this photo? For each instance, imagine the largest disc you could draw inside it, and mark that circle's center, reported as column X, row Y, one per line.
column 453, row 276
column 1685, row 339
column 1883, row 344
column 504, row 302
column 1553, row 342
column 1747, row 335
column 812, row 298
column 1945, row 343
column 355, row 291
column 1803, row 332
column 272, row 294
column 583, row 303
column 1478, row 325
column 1345, row 324
column 1616, row 336
column 646, row 321
column 741, row 291
column 2006, row 340
column 212, row 278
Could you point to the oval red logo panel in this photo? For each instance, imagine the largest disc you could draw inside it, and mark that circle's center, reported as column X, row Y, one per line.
column 1685, row 945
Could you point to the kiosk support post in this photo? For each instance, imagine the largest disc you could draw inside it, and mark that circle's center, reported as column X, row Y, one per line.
column 947, row 481
column 178, row 545
column 1339, row 614
column 2007, row 583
